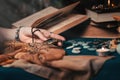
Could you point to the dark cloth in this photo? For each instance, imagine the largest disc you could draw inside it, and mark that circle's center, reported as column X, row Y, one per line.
column 110, row 70
column 79, row 67
column 16, row 74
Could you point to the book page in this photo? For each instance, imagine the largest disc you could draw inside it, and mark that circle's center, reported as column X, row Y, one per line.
column 36, row 18
column 69, row 22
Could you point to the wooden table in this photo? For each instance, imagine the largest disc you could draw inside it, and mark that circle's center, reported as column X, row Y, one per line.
column 87, row 30
column 93, row 31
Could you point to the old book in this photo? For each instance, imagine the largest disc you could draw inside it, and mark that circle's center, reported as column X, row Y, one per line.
column 100, row 17
column 53, row 19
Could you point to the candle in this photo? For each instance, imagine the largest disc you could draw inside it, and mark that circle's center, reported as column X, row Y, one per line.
column 118, row 49
column 102, row 52
column 113, row 5
column 108, row 2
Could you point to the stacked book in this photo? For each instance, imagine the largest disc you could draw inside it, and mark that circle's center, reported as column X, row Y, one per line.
column 103, row 17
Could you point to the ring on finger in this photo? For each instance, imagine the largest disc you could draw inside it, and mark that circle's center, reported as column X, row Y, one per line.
column 33, row 30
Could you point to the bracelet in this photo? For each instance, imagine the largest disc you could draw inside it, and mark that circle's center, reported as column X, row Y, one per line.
column 17, row 37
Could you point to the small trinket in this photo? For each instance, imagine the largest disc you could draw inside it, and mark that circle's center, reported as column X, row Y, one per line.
column 76, row 50
column 91, row 49
column 86, row 47
column 69, row 47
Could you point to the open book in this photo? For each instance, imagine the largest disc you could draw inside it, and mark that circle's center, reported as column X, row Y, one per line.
column 53, row 19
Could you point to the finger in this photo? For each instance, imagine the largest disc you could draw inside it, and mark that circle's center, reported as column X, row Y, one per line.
column 51, row 35
column 46, row 33
column 59, row 43
column 56, row 36
column 40, row 35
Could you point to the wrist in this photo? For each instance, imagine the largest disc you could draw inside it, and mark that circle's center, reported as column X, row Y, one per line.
column 17, row 34
column 7, row 34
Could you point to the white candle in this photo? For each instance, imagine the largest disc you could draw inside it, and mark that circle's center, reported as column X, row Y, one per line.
column 102, row 52
column 118, row 49
column 108, row 2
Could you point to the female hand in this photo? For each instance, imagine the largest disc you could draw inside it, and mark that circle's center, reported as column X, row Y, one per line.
column 25, row 35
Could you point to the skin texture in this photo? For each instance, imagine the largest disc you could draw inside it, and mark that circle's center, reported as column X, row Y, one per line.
column 25, row 35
